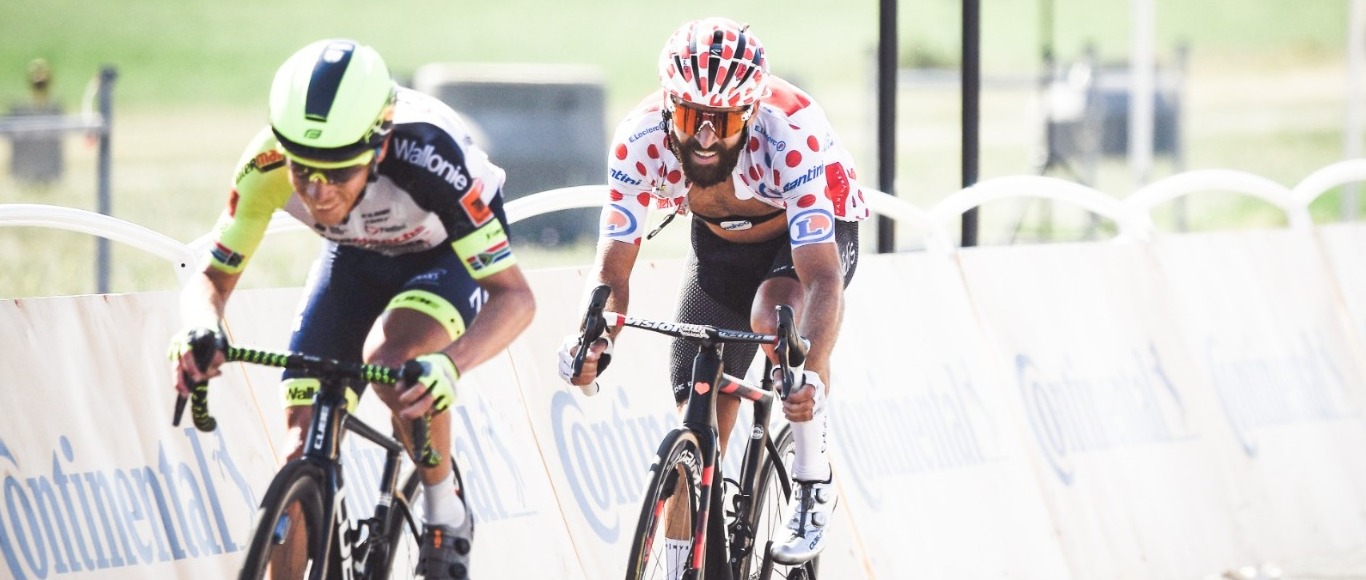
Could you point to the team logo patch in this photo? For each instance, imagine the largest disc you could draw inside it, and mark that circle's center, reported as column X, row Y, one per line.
column 224, row 255
column 810, row 227
column 617, row 221
column 836, row 184
column 489, row 256
column 473, row 202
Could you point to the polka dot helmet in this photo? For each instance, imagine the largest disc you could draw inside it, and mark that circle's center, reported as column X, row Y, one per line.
column 714, row 62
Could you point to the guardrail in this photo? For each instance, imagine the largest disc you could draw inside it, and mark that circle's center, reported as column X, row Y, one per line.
column 1132, row 215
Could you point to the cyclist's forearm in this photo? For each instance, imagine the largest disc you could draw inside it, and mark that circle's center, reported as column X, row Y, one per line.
column 615, row 260
column 820, row 323
column 509, row 310
column 205, row 297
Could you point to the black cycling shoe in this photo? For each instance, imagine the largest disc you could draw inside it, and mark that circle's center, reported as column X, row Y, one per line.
column 446, row 551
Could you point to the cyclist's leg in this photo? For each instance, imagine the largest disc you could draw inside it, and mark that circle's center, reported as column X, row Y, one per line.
column 337, row 283
column 425, row 315
column 815, row 498
column 719, row 284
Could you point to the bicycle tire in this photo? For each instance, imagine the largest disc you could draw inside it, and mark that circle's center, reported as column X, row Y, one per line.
column 772, row 489
column 403, row 541
column 678, row 451
column 298, row 482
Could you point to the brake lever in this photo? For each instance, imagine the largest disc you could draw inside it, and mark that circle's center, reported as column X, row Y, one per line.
column 593, row 324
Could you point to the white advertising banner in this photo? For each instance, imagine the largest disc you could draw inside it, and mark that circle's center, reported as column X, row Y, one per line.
column 1171, row 410
column 1270, row 337
column 927, row 451
column 1342, row 244
column 1111, row 410
column 598, row 448
column 95, row 479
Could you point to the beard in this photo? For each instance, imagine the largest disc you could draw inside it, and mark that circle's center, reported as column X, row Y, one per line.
column 708, row 175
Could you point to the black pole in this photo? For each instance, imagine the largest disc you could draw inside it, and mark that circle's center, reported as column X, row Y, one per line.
column 886, row 118
column 106, row 106
column 971, row 87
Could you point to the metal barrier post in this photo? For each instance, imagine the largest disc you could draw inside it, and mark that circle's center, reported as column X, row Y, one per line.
column 104, row 205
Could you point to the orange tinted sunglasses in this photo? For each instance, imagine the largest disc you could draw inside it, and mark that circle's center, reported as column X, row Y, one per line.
column 690, row 120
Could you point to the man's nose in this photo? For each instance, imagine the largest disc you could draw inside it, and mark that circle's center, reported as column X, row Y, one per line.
column 317, row 189
column 706, row 135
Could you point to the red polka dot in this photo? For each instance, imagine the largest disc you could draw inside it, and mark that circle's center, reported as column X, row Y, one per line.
column 653, row 151
column 621, row 151
column 794, row 158
column 812, row 143
column 640, row 168
column 674, row 176
column 754, row 173
column 806, row 201
column 615, row 195
column 753, row 143
column 643, row 199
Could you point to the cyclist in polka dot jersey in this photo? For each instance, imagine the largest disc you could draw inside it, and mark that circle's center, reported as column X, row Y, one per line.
column 775, row 205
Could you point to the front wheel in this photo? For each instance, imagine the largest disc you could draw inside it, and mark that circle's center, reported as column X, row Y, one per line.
column 772, row 488
column 673, row 494
column 290, row 538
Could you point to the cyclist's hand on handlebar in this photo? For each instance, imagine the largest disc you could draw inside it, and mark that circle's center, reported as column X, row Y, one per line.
column 185, row 365
column 434, row 390
column 801, row 404
column 594, row 362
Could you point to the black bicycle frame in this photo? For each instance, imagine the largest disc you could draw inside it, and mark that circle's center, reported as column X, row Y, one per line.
column 323, row 447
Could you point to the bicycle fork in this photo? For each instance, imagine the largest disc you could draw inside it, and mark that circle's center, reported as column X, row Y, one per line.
column 700, row 418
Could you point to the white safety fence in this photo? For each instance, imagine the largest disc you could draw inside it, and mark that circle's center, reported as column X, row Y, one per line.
column 1170, row 408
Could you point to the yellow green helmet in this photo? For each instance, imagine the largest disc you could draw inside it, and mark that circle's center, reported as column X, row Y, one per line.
column 331, row 103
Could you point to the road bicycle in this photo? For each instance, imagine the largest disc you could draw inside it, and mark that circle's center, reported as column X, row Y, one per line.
column 306, row 500
column 686, row 466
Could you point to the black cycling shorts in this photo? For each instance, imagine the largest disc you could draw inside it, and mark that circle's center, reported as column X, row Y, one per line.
column 349, row 288
column 721, row 279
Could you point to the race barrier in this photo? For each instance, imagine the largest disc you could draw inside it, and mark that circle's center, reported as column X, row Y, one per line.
column 1154, row 406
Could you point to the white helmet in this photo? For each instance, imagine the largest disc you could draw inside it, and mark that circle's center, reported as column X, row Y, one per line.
column 714, row 62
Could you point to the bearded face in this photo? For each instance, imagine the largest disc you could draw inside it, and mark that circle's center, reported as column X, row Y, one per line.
column 709, row 166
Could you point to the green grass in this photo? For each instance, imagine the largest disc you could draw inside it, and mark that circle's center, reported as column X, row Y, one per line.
column 1264, row 94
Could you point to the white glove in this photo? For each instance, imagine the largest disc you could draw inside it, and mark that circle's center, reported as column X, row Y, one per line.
column 805, row 377
column 566, row 359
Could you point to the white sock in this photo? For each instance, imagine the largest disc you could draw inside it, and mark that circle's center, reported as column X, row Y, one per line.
column 809, row 438
column 675, row 557
column 443, row 507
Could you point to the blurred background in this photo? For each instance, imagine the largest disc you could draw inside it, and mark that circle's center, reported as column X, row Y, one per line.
column 1260, row 87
